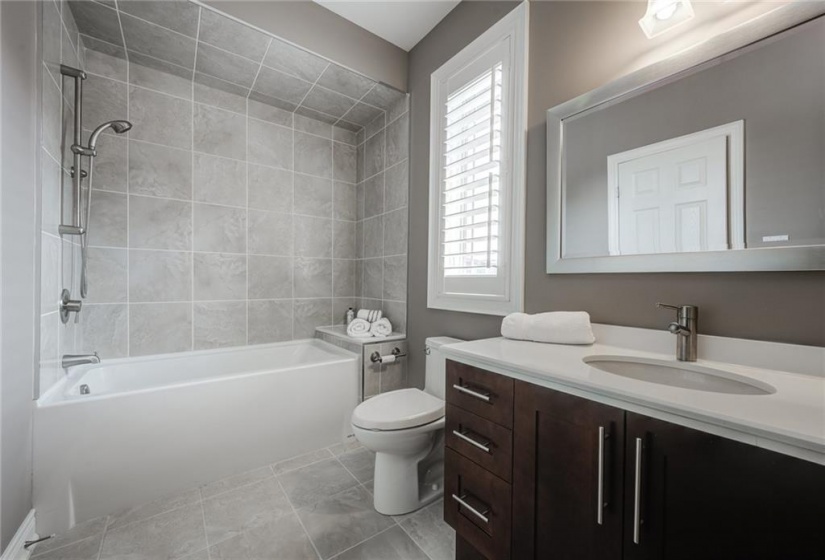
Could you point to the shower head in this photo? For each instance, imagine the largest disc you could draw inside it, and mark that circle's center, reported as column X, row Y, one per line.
column 118, row 126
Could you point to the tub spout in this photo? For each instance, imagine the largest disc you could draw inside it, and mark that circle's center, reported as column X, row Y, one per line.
column 71, row 360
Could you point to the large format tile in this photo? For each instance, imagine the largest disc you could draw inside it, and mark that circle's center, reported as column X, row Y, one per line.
column 107, row 226
column 153, row 508
column 219, row 276
column 383, row 96
column 160, row 276
column 294, row 463
column 268, row 113
column 269, row 321
column 219, row 180
column 395, row 232
column 398, row 140
column 158, row 42
column 374, row 154
column 344, row 162
column 342, row 521
column 226, row 66
column 218, row 324
column 169, row 535
column 313, row 237
column 270, row 277
column 110, row 171
column 328, row 102
column 103, row 100
column 246, row 508
column 313, row 155
column 373, row 281
column 270, row 233
column 160, row 76
column 219, row 229
column 270, row 188
column 160, row 171
column 393, row 544
column 86, row 549
column 273, row 83
column 313, row 483
column 309, row 314
column 313, row 278
column 283, row 539
column 230, row 35
column 374, row 195
column 312, row 126
column 396, row 186
column 92, row 528
column 96, row 20
column 313, row 196
column 235, row 481
column 106, row 273
column 430, row 532
column 361, row 463
column 343, row 278
column 294, row 60
column 159, row 223
column 269, row 144
column 344, row 201
column 374, row 237
column 177, row 15
column 160, row 118
column 158, row 328
column 217, row 93
column 219, row 132
column 345, row 81
column 361, row 114
column 395, row 278
column 343, row 240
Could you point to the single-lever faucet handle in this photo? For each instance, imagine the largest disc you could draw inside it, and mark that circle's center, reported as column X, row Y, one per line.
column 668, row 306
column 686, row 327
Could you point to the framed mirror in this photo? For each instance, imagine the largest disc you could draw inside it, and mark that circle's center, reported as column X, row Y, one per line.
column 712, row 160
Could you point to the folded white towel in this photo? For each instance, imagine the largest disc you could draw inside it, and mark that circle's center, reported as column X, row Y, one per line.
column 381, row 328
column 370, row 315
column 359, row 328
column 557, row 327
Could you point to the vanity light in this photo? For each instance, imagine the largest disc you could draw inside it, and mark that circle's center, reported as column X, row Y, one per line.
column 663, row 15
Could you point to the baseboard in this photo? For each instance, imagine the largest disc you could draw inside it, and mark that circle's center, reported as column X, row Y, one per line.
column 26, row 532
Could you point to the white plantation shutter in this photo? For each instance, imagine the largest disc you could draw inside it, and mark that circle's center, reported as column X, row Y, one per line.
column 477, row 173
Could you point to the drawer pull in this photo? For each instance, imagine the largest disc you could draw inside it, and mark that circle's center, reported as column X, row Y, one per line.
column 480, row 514
column 485, row 396
column 600, row 482
column 484, row 446
column 637, row 493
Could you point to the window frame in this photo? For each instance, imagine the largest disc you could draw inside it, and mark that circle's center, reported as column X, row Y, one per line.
column 510, row 34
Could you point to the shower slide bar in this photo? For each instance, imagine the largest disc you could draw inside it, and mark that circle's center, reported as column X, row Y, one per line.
column 77, row 151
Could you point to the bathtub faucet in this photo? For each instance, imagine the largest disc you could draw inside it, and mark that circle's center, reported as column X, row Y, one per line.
column 71, row 360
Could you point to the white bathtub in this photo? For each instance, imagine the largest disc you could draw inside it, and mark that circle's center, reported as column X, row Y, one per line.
column 156, row 425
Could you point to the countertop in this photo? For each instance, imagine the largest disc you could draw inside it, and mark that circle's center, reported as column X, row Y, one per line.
column 791, row 420
column 341, row 332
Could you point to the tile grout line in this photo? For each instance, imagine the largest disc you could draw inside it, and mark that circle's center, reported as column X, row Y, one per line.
column 298, row 517
column 381, row 532
column 192, row 209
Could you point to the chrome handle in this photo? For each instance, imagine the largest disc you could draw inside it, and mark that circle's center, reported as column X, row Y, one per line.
column 467, row 391
column 463, row 435
column 600, row 484
column 471, row 509
column 668, row 306
column 637, row 493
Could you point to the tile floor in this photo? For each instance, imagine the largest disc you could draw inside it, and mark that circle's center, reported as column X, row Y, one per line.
column 317, row 505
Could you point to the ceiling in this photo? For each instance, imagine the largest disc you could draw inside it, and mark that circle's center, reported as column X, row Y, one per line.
column 401, row 22
column 194, row 42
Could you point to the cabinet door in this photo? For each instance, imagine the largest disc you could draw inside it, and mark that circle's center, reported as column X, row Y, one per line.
column 567, row 476
column 703, row 496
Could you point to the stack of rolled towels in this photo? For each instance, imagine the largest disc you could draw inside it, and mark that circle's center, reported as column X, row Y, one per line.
column 557, row 327
column 369, row 323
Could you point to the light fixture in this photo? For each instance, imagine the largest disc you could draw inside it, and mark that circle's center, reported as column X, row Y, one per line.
column 663, row 15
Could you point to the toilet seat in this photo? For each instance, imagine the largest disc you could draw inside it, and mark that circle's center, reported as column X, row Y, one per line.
column 398, row 410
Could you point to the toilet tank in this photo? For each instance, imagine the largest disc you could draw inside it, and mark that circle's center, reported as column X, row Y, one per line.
column 435, row 374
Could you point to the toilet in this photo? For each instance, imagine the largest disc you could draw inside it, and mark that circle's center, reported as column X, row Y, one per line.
column 405, row 429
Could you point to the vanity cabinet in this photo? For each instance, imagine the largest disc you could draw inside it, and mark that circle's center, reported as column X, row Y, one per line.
column 591, row 481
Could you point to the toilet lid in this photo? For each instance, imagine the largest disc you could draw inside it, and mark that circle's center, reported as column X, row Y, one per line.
column 398, row 410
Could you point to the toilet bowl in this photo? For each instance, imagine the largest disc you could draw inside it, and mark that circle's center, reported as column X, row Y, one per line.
column 405, row 429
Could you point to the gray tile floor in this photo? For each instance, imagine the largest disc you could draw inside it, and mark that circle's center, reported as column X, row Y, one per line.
column 317, row 505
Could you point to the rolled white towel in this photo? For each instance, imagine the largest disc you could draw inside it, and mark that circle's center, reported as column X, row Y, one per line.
column 363, row 314
column 359, row 328
column 381, row 328
column 557, row 327
column 371, row 315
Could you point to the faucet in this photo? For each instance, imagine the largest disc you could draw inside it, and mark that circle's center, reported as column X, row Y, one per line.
column 71, row 360
column 686, row 329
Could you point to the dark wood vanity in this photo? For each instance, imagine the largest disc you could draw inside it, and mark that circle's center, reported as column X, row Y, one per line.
column 531, row 472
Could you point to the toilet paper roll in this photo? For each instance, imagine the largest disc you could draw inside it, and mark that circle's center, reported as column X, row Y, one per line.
column 388, row 359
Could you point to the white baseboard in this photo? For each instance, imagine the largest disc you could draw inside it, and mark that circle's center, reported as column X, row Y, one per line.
column 26, row 532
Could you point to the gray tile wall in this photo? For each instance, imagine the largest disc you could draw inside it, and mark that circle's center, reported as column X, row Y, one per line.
column 59, row 258
column 234, row 223
column 381, row 229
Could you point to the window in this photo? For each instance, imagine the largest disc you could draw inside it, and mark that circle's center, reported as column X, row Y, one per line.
column 477, row 175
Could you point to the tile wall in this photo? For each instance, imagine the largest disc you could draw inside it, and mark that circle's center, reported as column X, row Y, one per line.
column 383, row 176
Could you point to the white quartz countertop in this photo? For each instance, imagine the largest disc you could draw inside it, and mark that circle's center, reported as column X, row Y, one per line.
column 792, row 416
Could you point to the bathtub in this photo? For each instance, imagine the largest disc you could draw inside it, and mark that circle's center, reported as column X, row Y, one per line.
column 156, row 425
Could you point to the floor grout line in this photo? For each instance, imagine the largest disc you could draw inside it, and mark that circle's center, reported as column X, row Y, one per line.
column 362, row 542
column 298, row 517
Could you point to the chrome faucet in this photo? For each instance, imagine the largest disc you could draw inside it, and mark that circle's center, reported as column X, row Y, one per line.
column 686, row 329
column 71, row 360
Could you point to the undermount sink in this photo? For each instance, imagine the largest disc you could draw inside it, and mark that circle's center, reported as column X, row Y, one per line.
column 679, row 374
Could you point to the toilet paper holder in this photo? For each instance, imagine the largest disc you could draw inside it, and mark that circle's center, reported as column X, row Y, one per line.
column 377, row 358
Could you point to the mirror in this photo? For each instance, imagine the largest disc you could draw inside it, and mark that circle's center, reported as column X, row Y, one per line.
column 697, row 165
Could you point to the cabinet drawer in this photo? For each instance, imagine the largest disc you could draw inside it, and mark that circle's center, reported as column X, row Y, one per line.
column 477, row 504
column 484, row 393
column 480, row 440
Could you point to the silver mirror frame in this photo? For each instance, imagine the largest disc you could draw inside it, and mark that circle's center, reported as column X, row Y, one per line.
column 710, row 52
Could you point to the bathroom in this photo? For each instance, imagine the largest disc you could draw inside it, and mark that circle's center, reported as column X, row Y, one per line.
column 244, row 331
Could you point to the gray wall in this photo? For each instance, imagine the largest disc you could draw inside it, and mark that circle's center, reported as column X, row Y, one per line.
column 317, row 29
column 18, row 232
column 575, row 47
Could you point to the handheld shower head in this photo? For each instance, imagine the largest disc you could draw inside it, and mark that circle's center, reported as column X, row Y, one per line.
column 118, row 126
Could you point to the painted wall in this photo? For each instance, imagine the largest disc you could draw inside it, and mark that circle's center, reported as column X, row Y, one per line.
column 575, row 47
column 326, row 33
column 18, row 233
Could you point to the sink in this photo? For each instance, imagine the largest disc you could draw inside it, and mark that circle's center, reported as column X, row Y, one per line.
column 684, row 375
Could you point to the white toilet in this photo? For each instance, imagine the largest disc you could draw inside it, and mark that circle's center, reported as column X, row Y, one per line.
column 405, row 429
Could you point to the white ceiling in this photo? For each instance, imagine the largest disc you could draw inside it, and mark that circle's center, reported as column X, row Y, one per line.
column 401, row 22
